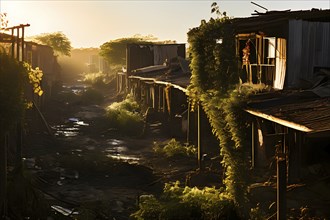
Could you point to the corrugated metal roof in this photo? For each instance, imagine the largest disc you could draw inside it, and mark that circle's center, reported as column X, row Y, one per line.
column 303, row 111
column 276, row 21
column 177, row 74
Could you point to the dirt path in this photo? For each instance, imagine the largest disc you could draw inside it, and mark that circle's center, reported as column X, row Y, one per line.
column 92, row 169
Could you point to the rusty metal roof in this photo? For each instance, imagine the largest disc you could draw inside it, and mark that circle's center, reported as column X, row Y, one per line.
column 303, row 111
column 273, row 22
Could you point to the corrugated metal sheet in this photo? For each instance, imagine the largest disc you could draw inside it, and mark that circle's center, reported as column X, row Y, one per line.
column 308, row 48
column 300, row 111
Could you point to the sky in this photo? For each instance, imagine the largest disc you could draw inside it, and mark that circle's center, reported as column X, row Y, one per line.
column 89, row 23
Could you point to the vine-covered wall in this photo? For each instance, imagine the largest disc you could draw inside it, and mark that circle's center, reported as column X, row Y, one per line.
column 215, row 85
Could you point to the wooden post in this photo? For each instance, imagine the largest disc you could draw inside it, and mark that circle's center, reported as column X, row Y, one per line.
column 281, row 179
column 294, row 163
column 281, row 187
column 17, row 44
column 12, row 43
column 253, row 153
column 199, row 146
column 188, row 123
column 23, row 44
column 3, row 173
column 128, row 67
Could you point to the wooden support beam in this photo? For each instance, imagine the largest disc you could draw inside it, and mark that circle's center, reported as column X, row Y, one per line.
column 12, row 44
column 281, row 178
column 188, row 123
column 17, row 44
column 280, row 121
column 199, row 146
column 253, row 145
column 281, row 187
column 23, row 44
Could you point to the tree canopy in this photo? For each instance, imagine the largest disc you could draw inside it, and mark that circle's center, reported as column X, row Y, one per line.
column 57, row 40
column 114, row 51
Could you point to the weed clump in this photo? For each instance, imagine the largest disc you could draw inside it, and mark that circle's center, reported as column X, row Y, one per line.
column 125, row 116
column 178, row 202
column 173, row 148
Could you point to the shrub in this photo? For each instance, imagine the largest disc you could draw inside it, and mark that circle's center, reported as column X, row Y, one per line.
column 178, row 202
column 93, row 78
column 175, row 148
column 125, row 117
column 150, row 208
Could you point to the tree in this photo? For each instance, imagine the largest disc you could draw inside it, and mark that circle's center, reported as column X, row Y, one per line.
column 114, row 51
column 57, row 40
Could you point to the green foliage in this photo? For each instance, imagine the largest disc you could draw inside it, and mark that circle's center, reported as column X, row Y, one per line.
column 94, row 78
column 178, row 202
column 35, row 78
column 57, row 40
column 115, row 50
column 227, row 119
column 12, row 77
column 125, row 117
column 173, row 148
column 215, row 84
column 99, row 79
column 150, row 208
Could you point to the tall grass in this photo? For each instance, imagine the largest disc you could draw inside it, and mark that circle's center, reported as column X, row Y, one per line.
column 173, row 148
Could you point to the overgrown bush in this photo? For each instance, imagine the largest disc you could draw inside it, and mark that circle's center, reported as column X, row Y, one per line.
column 178, row 202
column 174, row 148
column 125, row 117
column 94, row 78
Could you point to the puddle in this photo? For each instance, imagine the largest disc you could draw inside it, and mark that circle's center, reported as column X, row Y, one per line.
column 115, row 142
column 64, row 211
column 125, row 158
column 64, row 130
column 76, row 89
column 70, row 128
column 118, row 151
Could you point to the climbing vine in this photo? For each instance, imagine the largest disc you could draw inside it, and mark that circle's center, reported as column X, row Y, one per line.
column 215, row 85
